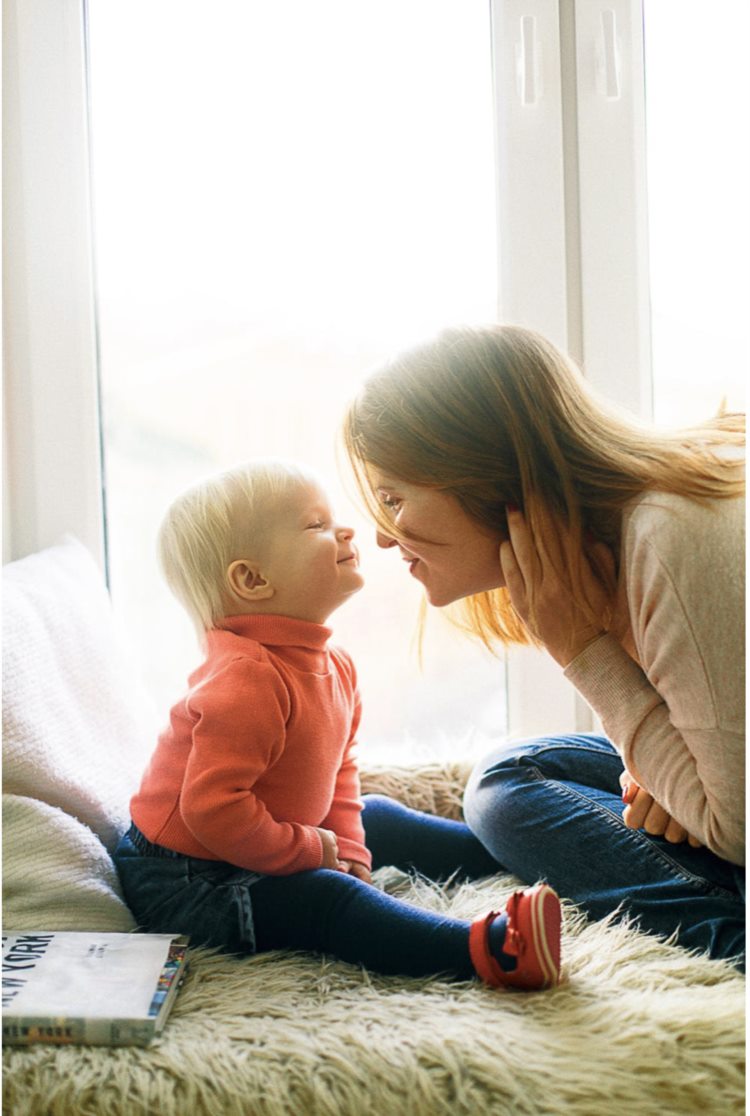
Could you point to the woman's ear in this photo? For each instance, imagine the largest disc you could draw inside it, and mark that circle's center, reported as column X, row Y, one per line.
column 246, row 581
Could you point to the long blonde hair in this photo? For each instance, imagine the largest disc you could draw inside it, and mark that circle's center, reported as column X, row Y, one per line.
column 498, row 415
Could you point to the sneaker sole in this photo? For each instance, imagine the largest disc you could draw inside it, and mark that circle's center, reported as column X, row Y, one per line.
column 545, row 918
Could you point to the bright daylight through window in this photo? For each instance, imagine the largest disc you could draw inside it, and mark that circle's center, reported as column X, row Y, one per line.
column 286, row 194
column 697, row 98
column 275, row 213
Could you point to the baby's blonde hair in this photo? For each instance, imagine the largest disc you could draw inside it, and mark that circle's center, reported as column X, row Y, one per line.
column 221, row 518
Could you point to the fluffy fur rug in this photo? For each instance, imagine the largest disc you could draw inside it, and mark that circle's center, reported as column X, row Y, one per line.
column 637, row 1028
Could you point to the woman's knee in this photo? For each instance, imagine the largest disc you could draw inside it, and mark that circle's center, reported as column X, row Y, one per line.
column 490, row 790
column 510, row 775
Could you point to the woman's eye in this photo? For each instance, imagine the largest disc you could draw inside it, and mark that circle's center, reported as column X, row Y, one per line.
column 390, row 502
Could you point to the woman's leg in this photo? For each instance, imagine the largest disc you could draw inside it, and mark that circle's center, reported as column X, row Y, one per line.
column 412, row 840
column 552, row 808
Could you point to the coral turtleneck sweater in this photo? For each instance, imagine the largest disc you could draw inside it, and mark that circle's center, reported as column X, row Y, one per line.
column 259, row 753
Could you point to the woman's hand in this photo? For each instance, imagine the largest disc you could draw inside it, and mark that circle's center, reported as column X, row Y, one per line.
column 559, row 622
column 643, row 812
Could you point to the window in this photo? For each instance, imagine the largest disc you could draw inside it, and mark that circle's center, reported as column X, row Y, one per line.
column 379, row 226
column 286, row 195
column 698, row 129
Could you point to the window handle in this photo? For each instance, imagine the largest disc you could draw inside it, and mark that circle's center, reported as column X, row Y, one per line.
column 528, row 63
column 608, row 57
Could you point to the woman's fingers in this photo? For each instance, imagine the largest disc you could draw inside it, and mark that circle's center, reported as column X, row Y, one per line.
column 629, row 789
column 675, row 833
column 522, row 544
column 514, row 580
column 657, row 820
column 549, row 541
column 642, row 812
column 536, row 572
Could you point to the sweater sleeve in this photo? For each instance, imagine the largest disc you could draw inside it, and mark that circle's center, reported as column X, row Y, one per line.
column 345, row 814
column 239, row 732
column 678, row 717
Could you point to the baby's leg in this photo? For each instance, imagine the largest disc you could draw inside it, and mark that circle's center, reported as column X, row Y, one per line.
column 335, row 913
column 409, row 839
column 331, row 912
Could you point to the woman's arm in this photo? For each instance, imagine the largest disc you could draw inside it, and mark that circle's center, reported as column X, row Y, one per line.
column 676, row 718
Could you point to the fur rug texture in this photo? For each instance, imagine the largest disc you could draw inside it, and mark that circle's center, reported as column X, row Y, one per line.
column 637, row 1028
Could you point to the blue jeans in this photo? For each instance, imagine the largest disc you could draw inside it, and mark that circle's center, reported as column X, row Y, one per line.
column 242, row 912
column 552, row 808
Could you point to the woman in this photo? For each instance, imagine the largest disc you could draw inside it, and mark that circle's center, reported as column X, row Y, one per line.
column 504, row 484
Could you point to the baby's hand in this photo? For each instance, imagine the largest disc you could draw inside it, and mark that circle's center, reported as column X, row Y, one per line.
column 354, row 868
column 643, row 812
column 330, row 850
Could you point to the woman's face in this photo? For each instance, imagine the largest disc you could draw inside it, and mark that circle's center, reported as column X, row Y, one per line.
column 458, row 559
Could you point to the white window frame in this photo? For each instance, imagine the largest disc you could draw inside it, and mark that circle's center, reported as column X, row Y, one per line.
column 52, row 477
column 572, row 254
column 572, row 231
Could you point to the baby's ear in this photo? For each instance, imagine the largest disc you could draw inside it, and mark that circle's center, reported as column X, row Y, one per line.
column 246, row 581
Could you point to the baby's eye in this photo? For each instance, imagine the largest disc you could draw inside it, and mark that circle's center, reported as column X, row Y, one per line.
column 318, row 525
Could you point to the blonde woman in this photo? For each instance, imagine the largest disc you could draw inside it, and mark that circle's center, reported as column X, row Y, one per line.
column 504, row 484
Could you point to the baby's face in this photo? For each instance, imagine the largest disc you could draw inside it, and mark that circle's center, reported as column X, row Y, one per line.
column 310, row 559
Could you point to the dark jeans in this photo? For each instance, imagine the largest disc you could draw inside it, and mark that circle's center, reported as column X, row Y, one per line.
column 552, row 807
column 320, row 910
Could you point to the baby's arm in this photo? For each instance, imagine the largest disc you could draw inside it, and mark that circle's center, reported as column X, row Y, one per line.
column 239, row 731
column 345, row 814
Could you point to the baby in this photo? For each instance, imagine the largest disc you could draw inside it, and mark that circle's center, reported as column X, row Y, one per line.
column 249, row 831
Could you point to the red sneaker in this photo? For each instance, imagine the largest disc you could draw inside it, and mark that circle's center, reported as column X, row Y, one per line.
column 532, row 936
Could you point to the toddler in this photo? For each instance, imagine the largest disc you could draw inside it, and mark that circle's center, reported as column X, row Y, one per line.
column 249, row 832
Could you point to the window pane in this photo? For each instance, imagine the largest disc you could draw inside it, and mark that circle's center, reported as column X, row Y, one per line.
column 284, row 195
column 698, row 133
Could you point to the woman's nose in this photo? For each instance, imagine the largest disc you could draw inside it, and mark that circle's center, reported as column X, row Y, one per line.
column 384, row 540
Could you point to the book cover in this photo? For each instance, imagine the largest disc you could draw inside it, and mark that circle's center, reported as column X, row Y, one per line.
column 90, row 988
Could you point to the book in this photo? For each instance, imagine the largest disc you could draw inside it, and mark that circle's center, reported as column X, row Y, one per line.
column 90, row 988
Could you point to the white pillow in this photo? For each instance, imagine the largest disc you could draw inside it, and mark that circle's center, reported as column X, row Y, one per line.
column 77, row 730
column 57, row 875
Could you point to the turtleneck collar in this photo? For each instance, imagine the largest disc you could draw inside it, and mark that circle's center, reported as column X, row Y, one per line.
column 278, row 631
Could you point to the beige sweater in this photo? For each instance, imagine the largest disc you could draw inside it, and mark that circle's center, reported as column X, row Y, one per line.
column 673, row 703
